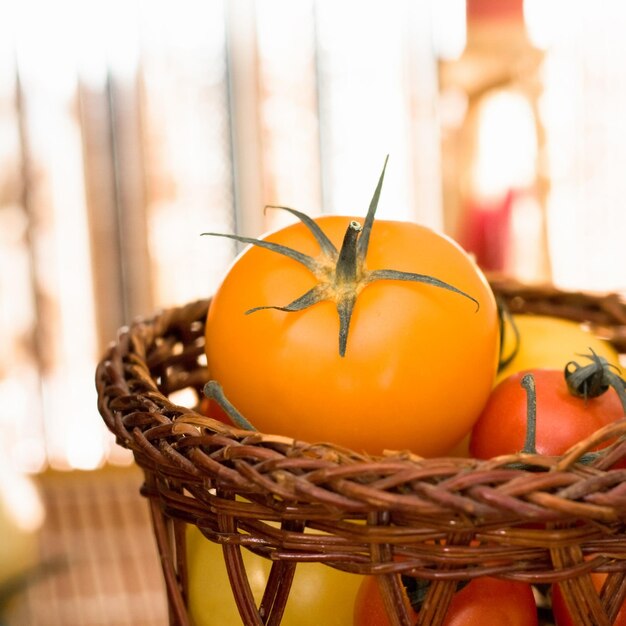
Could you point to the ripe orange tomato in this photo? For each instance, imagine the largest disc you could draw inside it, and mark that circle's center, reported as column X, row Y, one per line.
column 482, row 602
column 419, row 363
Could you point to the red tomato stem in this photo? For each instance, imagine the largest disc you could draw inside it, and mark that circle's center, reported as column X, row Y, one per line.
column 530, row 444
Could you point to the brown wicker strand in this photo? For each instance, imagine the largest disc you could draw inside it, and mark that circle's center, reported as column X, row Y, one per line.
column 237, row 573
column 391, row 591
column 177, row 606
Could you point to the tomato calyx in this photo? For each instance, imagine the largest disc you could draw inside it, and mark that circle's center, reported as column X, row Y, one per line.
column 594, row 379
column 341, row 274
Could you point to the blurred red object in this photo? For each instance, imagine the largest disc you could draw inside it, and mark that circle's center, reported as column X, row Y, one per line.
column 485, row 231
column 495, row 9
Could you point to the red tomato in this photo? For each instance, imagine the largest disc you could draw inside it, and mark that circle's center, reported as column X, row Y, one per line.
column 562, row 419
column 482, row 602
column 416, row 367
column 561, row 613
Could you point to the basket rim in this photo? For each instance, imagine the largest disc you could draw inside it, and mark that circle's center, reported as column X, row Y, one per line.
column 171, row 439
column 443, row 520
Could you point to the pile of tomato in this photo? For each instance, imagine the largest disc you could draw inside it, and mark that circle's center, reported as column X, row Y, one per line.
column 383, row 335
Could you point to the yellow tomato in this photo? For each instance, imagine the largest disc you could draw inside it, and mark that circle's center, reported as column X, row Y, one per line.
column 550, row 343
column 319, row 595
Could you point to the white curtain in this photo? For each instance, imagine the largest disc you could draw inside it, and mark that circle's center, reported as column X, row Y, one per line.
column 128, row 127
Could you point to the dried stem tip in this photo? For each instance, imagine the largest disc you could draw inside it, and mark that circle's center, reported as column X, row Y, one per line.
column 595, row 378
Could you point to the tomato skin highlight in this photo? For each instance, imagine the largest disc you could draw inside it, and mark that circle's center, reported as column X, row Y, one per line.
column 484, row 601
column 562, row 419
column 409, row 344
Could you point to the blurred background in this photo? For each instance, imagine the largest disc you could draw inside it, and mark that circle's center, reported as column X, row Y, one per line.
column 129, row 127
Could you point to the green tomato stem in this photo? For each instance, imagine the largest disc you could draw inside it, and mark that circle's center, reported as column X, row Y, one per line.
column 213, row 390
column 530, row 444
column 346, row 268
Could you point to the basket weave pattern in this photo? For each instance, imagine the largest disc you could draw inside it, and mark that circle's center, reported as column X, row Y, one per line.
column 445, row 520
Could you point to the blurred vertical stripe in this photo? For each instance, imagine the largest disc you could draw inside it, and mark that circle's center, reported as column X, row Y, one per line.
column 129, row 128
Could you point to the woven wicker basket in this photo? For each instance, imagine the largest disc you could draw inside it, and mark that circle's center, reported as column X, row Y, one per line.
column 362, row 513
